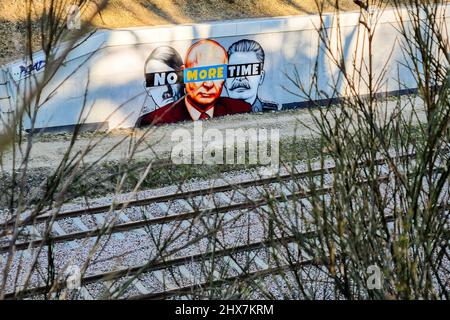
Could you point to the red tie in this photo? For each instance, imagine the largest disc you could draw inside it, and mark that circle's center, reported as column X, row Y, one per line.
column 204, row 116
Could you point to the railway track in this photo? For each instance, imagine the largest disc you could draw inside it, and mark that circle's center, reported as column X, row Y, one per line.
column 125, row 223
column 260, row 267
column 127, row 226
column 163, row 198
column 109, row 280
column 165, row 264
column 41, row 218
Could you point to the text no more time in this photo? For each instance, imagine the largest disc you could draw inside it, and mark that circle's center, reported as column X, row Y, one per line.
column 200, row 74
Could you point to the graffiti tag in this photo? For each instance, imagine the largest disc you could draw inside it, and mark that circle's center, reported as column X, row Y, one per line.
column 27, row 70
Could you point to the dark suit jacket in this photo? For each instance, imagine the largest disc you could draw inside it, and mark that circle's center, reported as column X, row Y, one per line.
column 177, row 111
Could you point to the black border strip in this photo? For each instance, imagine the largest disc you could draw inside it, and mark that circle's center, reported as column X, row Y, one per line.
column 331, row 101
column 93, row 126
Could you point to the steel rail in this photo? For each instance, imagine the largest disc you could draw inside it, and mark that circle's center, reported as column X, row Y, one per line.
column 220, row 282
column 158, row 265
column 164, row 198
column 128, row 226
column 179, row 195
column 174, row 262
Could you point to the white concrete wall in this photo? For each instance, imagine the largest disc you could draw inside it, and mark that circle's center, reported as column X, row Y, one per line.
column 116, row 92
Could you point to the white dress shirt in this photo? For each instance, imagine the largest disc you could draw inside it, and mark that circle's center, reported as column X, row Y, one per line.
column 195, row 114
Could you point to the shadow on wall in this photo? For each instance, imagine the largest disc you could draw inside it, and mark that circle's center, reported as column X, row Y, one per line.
column 158, row 12
column 131, row 84
column 116, row 84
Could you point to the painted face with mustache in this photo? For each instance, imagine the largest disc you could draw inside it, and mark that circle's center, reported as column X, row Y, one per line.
column 244, row 88
column 240, row 84
column 163, row 95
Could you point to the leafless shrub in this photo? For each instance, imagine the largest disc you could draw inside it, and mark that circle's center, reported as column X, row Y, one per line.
column 320, row 237
column 21, row 269
column 398, row 226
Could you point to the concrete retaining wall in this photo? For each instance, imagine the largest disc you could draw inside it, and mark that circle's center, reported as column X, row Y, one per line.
column 111, row 66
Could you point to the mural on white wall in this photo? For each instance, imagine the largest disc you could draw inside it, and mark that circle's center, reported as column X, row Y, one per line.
column 193, row 89
column 163, row 75
column 242, row 84
column 168, row 88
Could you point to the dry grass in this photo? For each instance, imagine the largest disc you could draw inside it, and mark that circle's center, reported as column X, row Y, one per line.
column 121, row 13
column 130, row 13
column 155, row 12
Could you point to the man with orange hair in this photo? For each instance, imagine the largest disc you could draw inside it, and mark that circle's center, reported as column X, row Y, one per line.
column 204, row 76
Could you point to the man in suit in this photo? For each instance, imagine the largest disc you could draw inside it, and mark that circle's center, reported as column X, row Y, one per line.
column 246, row 87
column 202, row 100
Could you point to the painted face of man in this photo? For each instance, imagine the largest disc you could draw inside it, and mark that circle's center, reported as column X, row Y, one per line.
column 163, row 95
column 245, row 87
column 205, row 53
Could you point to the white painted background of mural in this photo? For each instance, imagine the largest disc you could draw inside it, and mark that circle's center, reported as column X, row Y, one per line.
column 116, row 71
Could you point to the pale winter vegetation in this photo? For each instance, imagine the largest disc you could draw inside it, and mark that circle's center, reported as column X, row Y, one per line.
column 368, row 220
